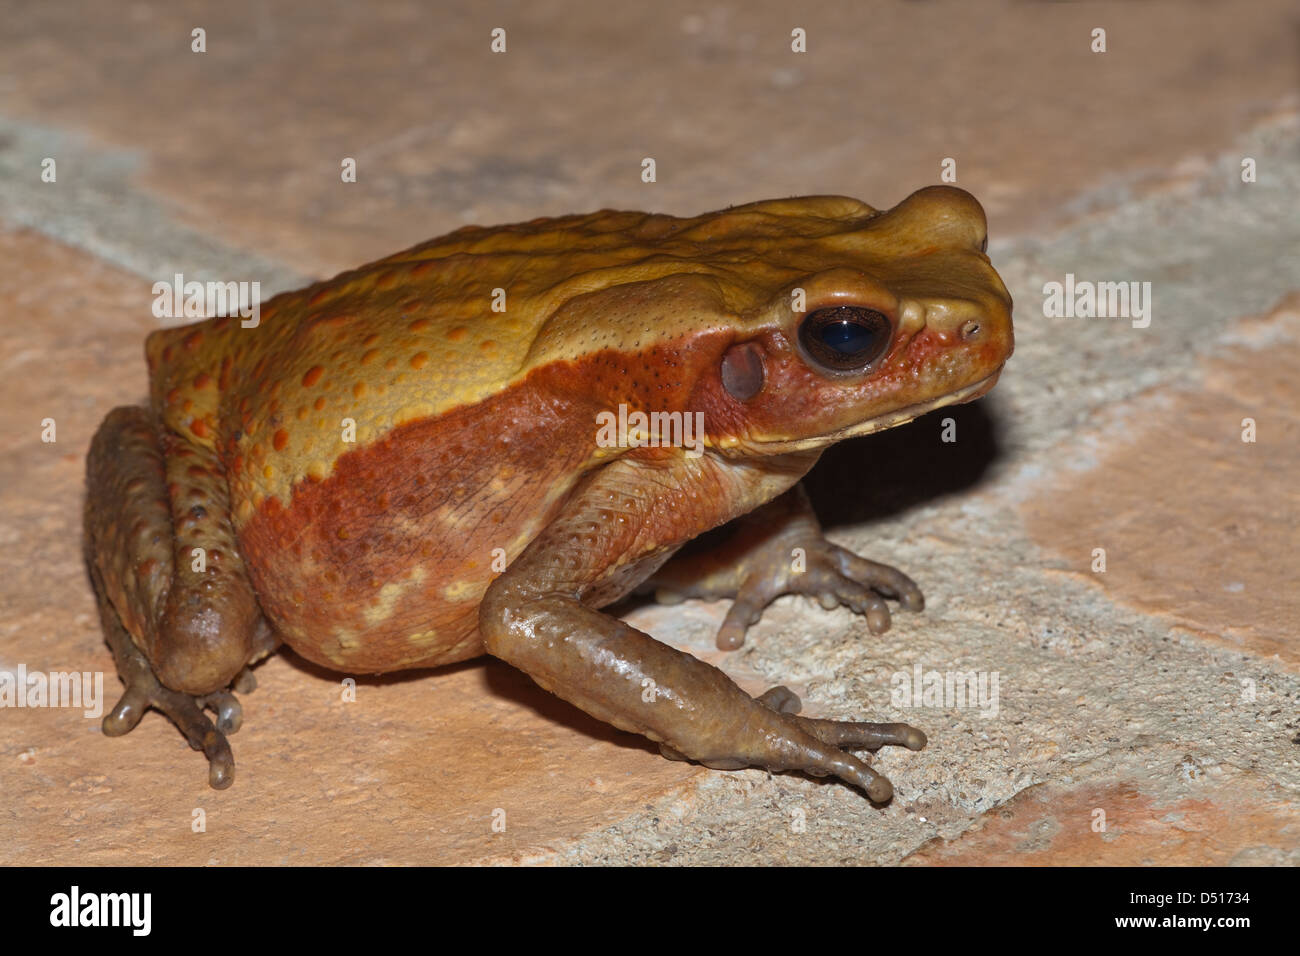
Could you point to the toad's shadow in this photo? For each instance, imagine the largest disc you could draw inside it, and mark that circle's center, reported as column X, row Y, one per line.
column 856, row 481
column 882, row 475
column 498, row 679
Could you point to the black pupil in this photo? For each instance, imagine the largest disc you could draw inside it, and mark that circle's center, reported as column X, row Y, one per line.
column 848, row 338
column 845, row 338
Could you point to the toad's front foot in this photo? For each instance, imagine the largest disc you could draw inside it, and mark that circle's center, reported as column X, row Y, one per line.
column 185, row 710
column 779, row 549
column 845, row 734
column 534, row 617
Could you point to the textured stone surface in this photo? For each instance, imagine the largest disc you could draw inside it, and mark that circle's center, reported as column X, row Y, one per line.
column 1172, row 812
column 1164, row 692
column 1198, row 525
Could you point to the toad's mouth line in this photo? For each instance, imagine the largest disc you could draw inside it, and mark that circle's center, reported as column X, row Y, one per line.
column 899, row 417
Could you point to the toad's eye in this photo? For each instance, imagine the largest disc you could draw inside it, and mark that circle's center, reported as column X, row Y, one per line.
column 845, row 338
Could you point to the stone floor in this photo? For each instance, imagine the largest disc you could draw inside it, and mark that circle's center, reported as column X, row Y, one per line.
column 1149, row 713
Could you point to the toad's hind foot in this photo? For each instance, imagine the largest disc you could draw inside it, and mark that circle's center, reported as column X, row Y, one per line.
column 185, row 710
column 182, row 630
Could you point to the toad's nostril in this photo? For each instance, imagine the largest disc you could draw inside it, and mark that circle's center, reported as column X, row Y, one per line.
column 969, row 331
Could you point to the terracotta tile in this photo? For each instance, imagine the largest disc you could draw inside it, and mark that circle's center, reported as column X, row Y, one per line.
column 1129, row 822
column 1199, row 526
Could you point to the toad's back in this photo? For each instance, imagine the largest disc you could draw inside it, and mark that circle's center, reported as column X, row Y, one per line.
column 424, row 331
column 390, row 434
column 385, row 434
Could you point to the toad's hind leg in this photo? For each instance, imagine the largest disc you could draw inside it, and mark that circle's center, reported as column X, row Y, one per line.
column 181, row 630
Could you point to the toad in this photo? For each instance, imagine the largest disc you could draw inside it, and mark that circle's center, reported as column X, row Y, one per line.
column 412, row 464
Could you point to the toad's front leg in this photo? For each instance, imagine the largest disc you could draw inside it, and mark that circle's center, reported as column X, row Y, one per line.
column 541, row 616
column 779, row 549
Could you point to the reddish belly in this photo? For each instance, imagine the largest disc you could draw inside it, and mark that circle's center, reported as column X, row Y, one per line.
column 381, row 566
